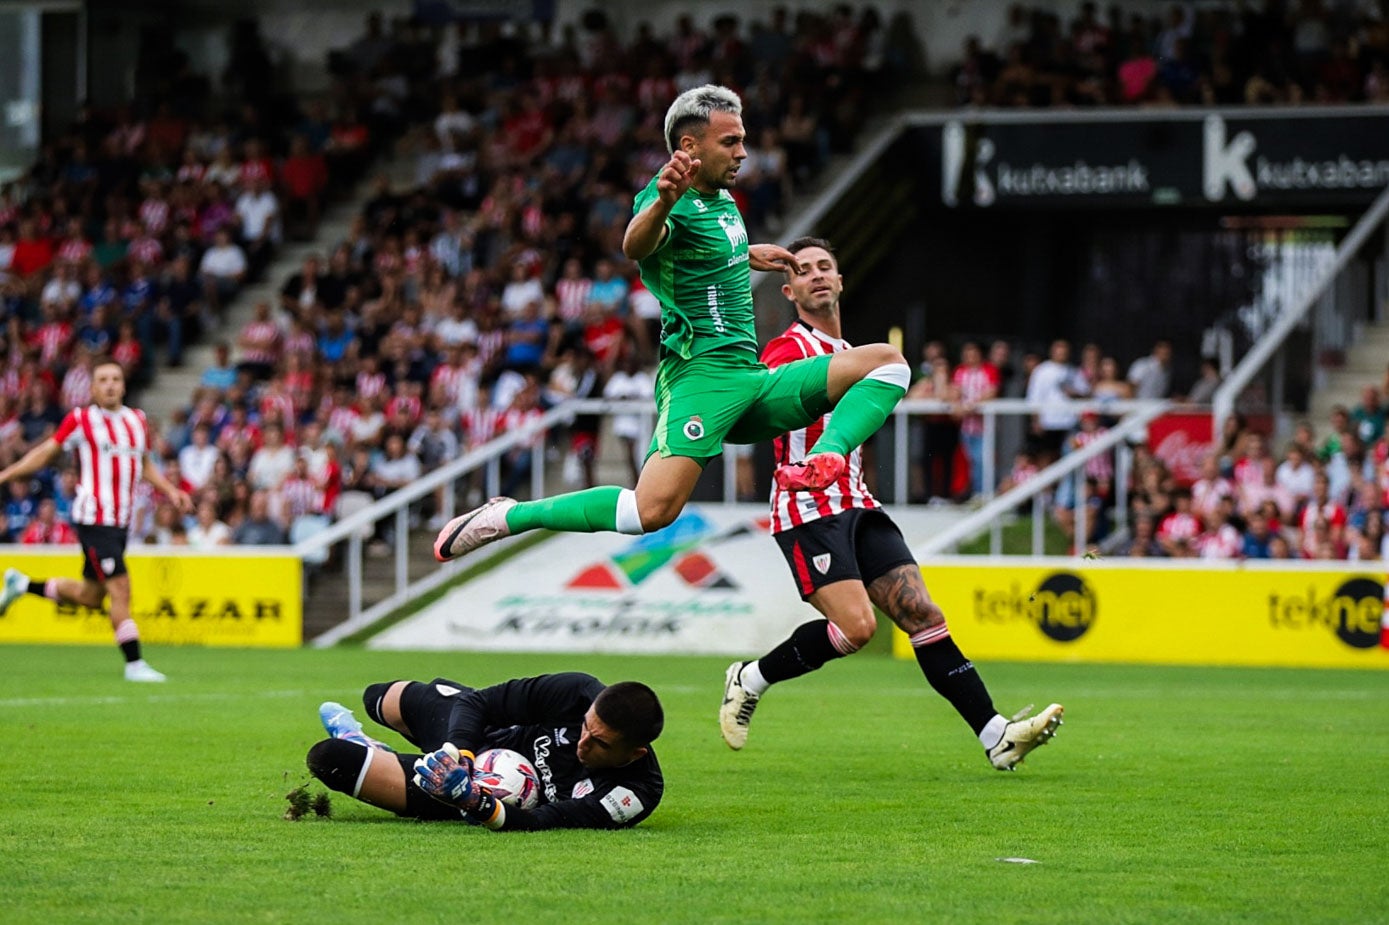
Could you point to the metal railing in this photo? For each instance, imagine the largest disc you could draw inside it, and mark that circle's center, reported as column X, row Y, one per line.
column 1295, row 311
column 990, row 516
column 353, row 530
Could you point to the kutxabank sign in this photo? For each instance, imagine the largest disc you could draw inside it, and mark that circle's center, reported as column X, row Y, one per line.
column 1203, row 158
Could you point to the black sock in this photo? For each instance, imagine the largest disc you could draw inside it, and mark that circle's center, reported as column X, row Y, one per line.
column 954, row 678
column 36, row 586
column 338, row 763
column 131, row 650
column 373, row 698
column 807, row 648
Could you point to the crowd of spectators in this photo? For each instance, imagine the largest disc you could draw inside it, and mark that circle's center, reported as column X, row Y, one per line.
column 454, row 310
column 1321, row 496
column 1325, row 495
column 459, row 308
column 1274, row 52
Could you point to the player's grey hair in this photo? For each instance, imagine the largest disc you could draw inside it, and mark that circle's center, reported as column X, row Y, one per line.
column 693, row 107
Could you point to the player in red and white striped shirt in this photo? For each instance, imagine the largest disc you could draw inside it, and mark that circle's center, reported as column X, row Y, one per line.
column 111, row 444
column 847, row 555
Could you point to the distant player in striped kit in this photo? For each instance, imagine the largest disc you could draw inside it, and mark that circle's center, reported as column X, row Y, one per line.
column 847, row 555
column 111, row 445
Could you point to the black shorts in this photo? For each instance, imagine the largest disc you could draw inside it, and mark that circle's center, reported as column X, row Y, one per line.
column 857, row 545
column 103, row 551
column 426, row 709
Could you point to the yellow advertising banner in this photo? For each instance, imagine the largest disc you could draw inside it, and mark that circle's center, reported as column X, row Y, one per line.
column 1221, row 614
column 177, row 598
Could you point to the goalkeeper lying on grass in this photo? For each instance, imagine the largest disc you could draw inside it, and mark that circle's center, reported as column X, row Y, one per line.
column 590, row 745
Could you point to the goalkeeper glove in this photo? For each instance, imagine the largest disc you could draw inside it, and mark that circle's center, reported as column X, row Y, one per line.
column 447, row 776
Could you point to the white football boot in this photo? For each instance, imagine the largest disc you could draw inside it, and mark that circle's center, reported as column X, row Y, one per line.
column 473, row 530
column 736, row 712
column 1024, row 734
column 13, row 589
column 141, row 671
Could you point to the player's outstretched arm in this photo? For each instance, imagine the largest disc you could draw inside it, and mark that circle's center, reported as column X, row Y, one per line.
column 773, row 258
column 34, row 460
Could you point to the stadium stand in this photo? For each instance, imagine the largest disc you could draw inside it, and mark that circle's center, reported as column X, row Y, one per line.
column 490, row 285
column 1179, row 54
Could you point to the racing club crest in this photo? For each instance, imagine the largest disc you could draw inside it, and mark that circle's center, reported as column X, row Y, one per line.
column 694, row 428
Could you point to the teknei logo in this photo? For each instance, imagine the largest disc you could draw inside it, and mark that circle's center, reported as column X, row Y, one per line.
column 1064, row 606
column 1354, row 612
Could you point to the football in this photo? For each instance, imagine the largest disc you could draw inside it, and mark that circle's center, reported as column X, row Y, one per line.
column 509, row 776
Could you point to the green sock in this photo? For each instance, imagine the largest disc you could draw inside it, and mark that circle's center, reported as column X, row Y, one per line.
column 587, row 511
column 858, row 415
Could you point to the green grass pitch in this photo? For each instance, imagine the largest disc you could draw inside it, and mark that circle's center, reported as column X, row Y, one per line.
column 1171, row 795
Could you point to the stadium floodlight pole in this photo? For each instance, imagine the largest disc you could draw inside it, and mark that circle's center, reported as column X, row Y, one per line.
column 1223, row 401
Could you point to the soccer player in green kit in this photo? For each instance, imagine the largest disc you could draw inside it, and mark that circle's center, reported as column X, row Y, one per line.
column 690, row 244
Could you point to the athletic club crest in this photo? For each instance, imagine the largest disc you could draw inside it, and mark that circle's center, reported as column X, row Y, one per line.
column 694, row 428
column 821, row 563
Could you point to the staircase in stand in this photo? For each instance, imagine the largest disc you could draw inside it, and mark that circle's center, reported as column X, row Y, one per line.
column 1365, row 364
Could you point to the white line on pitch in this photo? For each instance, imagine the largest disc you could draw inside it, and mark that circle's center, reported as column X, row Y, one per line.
column 155, row 698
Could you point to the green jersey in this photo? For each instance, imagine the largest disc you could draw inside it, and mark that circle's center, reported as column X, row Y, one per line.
column 699, row 274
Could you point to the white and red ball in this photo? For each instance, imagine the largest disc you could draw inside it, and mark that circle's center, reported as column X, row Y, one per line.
column 509, row 776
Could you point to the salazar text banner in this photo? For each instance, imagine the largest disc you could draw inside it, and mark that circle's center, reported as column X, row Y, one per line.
column 177, row 599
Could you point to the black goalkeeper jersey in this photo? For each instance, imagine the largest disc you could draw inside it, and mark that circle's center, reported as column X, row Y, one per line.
column 542, row 718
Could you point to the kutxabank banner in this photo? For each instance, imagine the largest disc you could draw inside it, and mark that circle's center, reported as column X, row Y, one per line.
column 1232, row 159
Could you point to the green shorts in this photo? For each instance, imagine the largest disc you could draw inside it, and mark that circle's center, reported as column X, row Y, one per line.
column 709, row 400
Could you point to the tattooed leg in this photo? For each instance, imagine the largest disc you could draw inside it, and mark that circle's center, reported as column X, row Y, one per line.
column 902, row 595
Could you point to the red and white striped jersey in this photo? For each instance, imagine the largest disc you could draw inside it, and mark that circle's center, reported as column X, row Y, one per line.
column 409, row 404
column 342, row 419
column 1101, row 468
column 1222, row 542
column 110, row 448
column 74, row 250
column 146, row 249
column 370, row 385
column 453, row 383
column 279, row 405
column 975, row 384
column 301, row 496
column 517, row 418
column 572, row 296
column 480, row 425
column 489, row 344
column 793, row 508
column 154, row 214
column 261, row 342
column 1329, row 511
column 1179, row 525
column 52, row 339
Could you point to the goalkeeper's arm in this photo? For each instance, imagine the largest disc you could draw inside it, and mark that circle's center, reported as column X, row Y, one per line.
column 447, row 776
